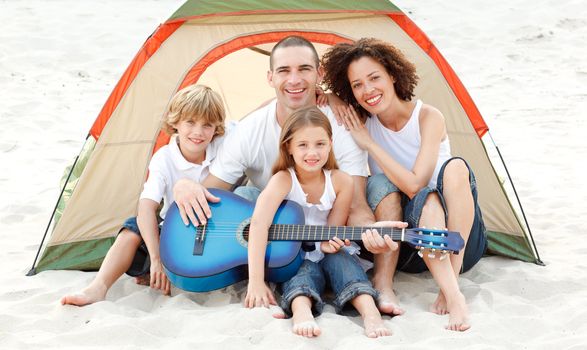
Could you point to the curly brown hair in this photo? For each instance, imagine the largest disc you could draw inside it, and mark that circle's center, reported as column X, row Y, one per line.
column 338, row 58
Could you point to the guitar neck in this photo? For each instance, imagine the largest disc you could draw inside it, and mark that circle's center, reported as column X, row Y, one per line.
column 314, row 233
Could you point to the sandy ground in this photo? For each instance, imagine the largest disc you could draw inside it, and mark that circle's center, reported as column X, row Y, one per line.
column 524, row 64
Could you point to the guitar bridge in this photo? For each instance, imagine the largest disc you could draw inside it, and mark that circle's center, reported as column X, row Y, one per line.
column 199, row 242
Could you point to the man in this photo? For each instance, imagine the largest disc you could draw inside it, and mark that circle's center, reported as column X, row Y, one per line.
column 252, row 147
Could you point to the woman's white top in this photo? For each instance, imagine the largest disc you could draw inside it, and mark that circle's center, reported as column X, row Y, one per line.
column 404, row 145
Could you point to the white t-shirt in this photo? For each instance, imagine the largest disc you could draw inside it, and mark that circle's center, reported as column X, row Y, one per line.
column 404, row 145
column 168, row 165
column 253, row 147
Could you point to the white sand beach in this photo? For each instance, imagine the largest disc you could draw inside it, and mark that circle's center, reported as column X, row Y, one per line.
column 524, row 64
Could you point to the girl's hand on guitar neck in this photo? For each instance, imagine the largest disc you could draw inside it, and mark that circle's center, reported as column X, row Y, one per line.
column 259, row 294
column 334, row 245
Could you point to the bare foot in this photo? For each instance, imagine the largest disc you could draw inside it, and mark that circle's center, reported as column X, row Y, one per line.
column 374, row 327
column 439, row 306
column 458, row 319
column 305, row 325
column 143, row 280
column 87, row 296
column 388, row 303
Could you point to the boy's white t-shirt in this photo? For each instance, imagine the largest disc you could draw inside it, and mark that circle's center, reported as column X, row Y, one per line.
column 168, row 165
column 253, row 147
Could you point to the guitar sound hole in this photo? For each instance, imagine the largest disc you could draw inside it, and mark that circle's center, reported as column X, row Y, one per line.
column 246, row 232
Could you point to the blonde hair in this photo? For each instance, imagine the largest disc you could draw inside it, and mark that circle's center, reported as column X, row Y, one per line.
column 195, row 102
column 308, row 116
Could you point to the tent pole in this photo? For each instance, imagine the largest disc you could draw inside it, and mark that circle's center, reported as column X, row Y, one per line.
column 33, row 271
column 539, row 261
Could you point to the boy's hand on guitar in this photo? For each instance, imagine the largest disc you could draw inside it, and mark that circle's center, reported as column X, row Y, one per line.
column 376, row 244
column 259, row 294
column 334, row 245
column 159, row 278
column 192, row 201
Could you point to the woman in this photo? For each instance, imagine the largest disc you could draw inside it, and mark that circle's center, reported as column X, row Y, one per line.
column 409, row 152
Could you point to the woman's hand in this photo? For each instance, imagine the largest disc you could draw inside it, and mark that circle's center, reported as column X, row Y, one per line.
column 355, row 126
column 334, row 245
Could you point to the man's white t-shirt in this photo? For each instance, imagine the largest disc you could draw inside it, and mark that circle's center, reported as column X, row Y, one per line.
column 253, row 147
column 168, row 165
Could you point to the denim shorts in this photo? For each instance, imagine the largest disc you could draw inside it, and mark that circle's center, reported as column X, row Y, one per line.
column 250, row 193
column 340, row 271
column 141, row 263
column 379, row 186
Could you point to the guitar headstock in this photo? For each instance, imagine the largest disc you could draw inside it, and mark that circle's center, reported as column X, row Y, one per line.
column 434, row 241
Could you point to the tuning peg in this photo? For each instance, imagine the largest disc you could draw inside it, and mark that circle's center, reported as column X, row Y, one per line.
column 421, row 252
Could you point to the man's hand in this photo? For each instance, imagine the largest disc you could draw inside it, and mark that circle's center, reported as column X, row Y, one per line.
column 376, row 244
column 192, row 201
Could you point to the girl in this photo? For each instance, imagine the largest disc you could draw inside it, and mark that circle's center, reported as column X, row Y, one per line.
column 306, row 172
column 409, row 152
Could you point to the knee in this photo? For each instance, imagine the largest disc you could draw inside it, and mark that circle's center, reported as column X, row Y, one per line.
column 390, row 207
column 432, row 207
column 127, row 236
column 456, row 174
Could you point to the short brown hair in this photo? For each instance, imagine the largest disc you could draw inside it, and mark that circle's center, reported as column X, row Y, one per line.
column 195, row 102
column 294, row 41
column 337, row 59
column 308, row 116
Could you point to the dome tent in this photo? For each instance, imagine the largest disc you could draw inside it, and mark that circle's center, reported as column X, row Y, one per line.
column 224, row 46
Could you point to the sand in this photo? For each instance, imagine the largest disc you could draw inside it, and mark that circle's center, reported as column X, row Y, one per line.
column 522, row 61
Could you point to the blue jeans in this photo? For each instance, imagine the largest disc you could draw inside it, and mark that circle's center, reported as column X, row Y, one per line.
column 340, row 271
column 250, row 193
column 379, row 186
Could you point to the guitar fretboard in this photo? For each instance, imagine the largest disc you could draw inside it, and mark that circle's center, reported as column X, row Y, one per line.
column 282, row 232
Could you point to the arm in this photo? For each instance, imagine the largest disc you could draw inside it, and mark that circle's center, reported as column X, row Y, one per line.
column 361, row 213
column 343, row 187
column 147, row 221
column 432, row 131
column 258, row 294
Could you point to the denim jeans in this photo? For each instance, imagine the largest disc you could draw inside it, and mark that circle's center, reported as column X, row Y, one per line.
column 340, row 271
column 250, row 193
column 379, row 186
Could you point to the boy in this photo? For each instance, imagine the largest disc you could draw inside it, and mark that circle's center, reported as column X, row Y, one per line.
column 196, row 114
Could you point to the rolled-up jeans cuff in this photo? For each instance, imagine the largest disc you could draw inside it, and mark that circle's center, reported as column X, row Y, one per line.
column 351, row 291
column 317, row 303
column 379, row 187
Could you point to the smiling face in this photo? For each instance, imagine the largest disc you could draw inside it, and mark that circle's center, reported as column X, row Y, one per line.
column 194, row 136
column 372, row 86
column 294, row 77
column 309, row 147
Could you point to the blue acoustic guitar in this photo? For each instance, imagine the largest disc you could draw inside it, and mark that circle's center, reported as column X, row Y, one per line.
column 213, row 256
